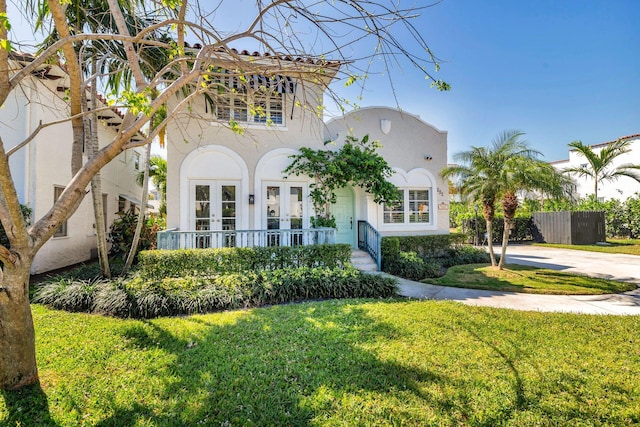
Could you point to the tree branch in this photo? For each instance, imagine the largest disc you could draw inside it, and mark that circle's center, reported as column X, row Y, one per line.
column 10, row 212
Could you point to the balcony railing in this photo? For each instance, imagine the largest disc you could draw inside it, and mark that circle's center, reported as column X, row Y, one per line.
column 176, row 239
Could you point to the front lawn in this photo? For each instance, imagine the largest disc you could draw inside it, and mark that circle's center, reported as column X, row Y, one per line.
column 339, row 362
column 615, row 246
column 522, row 278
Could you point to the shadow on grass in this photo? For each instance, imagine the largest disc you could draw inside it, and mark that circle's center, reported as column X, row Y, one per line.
column 274, row 367
column 27, row 407
column 335, row 362
column 532, row 280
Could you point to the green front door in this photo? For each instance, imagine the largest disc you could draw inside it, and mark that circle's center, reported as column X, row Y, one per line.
column 344, row 213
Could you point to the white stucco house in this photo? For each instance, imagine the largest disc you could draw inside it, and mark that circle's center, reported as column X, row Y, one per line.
column 621, row 189
column 42, row 168
column 225, row 188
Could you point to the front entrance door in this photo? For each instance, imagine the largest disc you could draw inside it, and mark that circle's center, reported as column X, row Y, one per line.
column 285, row 211
column 214, row 208
column 344, row 213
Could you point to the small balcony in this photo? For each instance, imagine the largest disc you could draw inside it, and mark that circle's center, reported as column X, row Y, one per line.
column 176, row 239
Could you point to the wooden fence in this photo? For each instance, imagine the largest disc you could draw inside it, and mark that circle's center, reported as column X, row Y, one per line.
column 569, row 228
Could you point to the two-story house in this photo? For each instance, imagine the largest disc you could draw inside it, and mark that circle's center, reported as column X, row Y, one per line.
column 226, row 186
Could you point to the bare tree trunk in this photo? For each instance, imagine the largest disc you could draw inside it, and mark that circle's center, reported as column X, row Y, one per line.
column 505, row 242
column 96, row 187
column 143, row 210
column 490, row 242
column 17, row 336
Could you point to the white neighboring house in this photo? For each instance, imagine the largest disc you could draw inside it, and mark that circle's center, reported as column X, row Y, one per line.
column 621, row 189
column 227, row 189
column 42, row 168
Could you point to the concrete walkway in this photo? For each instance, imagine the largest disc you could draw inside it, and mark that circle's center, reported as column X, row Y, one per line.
column 609, row 266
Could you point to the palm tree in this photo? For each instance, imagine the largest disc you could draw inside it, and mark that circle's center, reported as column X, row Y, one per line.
column 526, row 172
column 600, row 165
column 499, row 172
column 158, row 174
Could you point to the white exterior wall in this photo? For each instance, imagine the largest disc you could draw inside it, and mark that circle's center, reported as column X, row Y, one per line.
column 407, row 147
column 199, row 148
column 621, row 189
column 46, row 162
column 201, row 151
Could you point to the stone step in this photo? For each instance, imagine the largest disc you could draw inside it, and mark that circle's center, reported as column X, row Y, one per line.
column 363, row 261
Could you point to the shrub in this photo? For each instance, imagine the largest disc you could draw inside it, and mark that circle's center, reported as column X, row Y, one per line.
column 112, row 299
column 464, row 255
column 431, row 245
column 67, row 295
column 410, row 266
column 521, row 231
column 158, row 264
column 421, row 257
column 124, row 227
column 143, row 298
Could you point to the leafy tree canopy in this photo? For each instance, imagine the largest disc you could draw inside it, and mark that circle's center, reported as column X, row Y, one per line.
column 356, row 163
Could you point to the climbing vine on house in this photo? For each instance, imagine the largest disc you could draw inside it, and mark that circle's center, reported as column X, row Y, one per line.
column 356, row 163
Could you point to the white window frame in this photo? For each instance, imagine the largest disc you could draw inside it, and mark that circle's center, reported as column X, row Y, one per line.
column 406, row 220
column 136, row 161
column 226, row 101
column 63, row 229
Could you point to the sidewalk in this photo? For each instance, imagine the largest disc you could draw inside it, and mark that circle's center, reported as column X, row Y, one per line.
column 610, row 266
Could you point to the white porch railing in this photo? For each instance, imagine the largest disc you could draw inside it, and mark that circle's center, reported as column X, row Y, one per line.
column 176, row 239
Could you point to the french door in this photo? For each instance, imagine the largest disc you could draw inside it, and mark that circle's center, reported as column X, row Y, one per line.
column 214, row 207
column 285, row 210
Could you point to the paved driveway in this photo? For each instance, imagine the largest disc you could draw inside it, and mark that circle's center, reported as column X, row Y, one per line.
column 608, row 266
column 617, row 267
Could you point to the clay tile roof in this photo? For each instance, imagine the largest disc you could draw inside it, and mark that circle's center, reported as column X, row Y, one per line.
column 604, row 144
column 280, row 56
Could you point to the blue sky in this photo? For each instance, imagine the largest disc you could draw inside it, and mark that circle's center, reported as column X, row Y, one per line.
column 560, row 70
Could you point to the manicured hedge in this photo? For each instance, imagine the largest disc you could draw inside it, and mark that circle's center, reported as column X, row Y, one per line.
column 159, row 264
column 420, row 257
column 430, row 246
column 520, row 233
column 141, row 298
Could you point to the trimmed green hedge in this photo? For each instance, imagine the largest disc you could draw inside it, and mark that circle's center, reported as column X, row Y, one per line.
column 520, row 233
column 421, row 257
column 431, row 246
column 159, row 264
column 140, row 298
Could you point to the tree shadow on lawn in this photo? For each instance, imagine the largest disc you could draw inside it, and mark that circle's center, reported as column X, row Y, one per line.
column 27, row 407
column 556, row 394
column 276, row 366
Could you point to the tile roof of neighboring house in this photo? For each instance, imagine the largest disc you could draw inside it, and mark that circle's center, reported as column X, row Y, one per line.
column 58, row 71
column 558, row 161
column 604, row 144
column 268, row 55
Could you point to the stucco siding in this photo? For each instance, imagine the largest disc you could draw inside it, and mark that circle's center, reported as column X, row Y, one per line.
column 46, row 162
column 411, row 146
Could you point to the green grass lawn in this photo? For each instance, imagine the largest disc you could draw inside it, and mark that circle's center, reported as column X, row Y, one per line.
column 522, row 278
column 616, row 246
column 338, row 362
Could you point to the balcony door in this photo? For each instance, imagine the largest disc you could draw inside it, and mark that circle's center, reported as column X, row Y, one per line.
column 214, row 207
column 285, row 209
